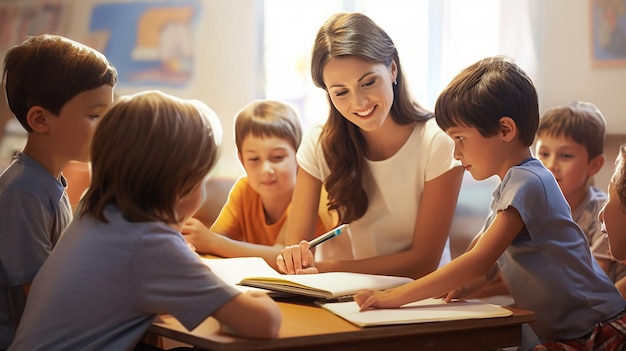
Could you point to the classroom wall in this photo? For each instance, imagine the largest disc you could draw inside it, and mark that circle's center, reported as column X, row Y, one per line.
column 226, row 72
column 227, row 75
column 566, row 71
column 228, row 44
column 565, row 63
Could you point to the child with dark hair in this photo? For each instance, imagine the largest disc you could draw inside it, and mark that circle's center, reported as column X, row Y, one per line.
column 57, row 89
column 491, row 112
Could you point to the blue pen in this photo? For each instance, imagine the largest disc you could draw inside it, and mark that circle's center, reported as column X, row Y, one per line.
column 331, row 234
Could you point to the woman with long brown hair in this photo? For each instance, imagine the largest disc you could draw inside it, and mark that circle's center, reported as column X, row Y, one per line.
column 387, row 167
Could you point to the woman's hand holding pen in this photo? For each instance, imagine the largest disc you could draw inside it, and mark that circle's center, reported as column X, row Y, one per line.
column 297, row 259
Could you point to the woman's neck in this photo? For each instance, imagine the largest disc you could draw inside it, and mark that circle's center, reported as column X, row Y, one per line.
column 385, row 141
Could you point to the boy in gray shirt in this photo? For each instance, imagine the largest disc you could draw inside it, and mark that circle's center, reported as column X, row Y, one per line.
column 57, row 89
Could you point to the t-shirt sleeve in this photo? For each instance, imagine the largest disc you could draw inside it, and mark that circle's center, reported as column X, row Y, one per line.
column 310, row 155
column 24, row 236
column 172, row 279
column 229, row 221
column 441, row 152
column 525, row 192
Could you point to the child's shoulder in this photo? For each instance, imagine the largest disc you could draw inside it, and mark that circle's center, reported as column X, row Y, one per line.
column 528, row 167
column 241, row 188
column 26, row 175
column 241, row 184
column 530, row 174
column 24, row 168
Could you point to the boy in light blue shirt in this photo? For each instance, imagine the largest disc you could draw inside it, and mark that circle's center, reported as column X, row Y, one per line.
column 491, row 112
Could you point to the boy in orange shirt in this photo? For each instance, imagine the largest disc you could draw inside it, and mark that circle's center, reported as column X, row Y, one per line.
column 253, row 220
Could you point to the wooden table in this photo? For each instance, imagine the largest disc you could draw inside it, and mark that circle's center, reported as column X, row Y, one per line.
column 307, row 327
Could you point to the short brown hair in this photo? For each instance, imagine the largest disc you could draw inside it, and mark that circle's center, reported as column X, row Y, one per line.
column 581, row 121
column 268, row 118
column 149, row 150
column 48, row 71
column 486, row 91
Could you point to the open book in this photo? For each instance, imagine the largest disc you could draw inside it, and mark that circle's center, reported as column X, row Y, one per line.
column 255, row 272
column 232, row 270
column 428, row 310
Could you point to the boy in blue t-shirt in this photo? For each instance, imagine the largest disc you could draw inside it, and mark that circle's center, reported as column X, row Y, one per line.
column 491, row 112
column 56, row 88
column 570, row 143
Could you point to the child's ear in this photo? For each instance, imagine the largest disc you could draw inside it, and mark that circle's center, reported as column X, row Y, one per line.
column 595, row 165
column 508, row 129
column 37, row 118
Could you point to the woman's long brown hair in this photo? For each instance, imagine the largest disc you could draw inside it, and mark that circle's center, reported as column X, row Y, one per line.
column 354, row 34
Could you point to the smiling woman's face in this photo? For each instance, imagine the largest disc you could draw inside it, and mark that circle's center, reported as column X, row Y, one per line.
column 361, row 91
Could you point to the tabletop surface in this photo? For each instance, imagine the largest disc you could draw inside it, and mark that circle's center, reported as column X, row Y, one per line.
column 306, row 324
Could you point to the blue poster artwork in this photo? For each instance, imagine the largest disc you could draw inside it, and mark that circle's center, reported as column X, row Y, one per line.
column 609, row 30
column 149, row 43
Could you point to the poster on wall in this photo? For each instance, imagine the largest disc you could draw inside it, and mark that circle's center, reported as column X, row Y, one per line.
column 19, row 20
column 608, row 32
column 149, row 43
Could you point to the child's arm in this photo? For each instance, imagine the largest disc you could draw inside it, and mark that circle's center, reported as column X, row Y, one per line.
column 460, row 271
column 466, row 290
column 266, row 321
column 206, row 241
column 489, row 285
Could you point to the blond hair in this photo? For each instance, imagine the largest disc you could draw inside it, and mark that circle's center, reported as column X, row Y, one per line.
column 148, row 151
